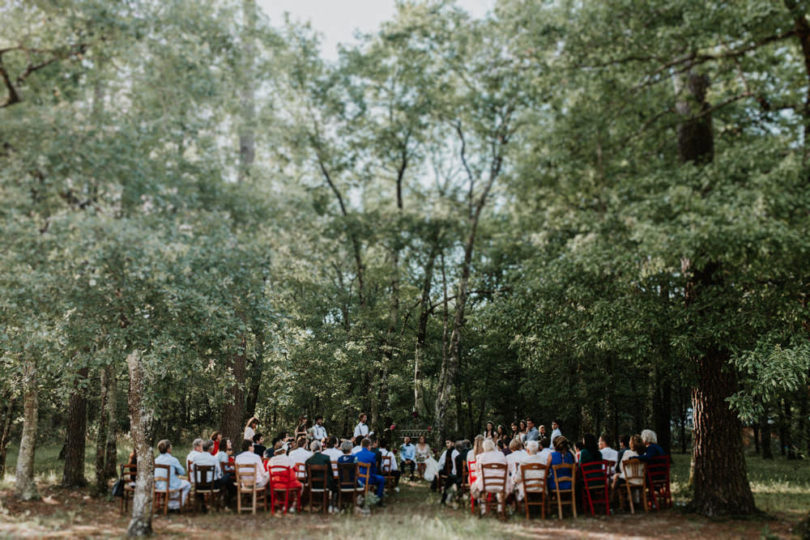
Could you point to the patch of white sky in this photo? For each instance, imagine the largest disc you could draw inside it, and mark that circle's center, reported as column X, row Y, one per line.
column 338, row 20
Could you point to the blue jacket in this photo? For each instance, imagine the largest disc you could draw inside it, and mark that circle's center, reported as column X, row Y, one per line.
column 367, row 456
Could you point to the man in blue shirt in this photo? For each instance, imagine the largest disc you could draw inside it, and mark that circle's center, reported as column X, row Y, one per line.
column 532, row 434
column 175, row 470
column 368, row 457
column 407, row 454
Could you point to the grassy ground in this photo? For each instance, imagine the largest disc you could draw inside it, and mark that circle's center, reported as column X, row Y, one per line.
column 782, row 489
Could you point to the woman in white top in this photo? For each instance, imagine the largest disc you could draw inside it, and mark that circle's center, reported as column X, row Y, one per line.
column 532, row 456
column 491, row 454
column 422, row 454
column 636, row 446
column 250, row 428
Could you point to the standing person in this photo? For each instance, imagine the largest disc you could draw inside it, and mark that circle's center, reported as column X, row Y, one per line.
column 422, row 454
column 515, row 430
column 361, row 429
column 407, row 454
column 216, row 437
column 542, row 431
column 301, row 427
column 523, row 430
column 175, row 472
column 318, row 430
column 502, row 435
column 250, row 429
column 555, row 432
column 489, row 431
column 532, row 434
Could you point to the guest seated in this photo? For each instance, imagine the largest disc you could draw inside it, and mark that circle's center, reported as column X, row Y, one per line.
column 358, row 439
column 300, row 455
column 636, row 446
column 560, row 455
column 175, row 471
column 286, row 479
column 217, row 438
column 247, row 457
column 489, row 455
column 205, row 458
column 258, row 444
column 367, row 456
column 608, row 453
column 225, row 454
column 319, row 458
column 196, row 448
column 532, row 456
column 407, row 455
column 652, row 450
column 515, row 456
column 590, row 449
column 333, row 452
column 392, row 469
column 448, row 466
column 545, row 449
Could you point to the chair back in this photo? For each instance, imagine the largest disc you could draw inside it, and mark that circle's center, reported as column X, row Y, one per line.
column 465, row 475
column 634, row 472
column 493, row 476
column 533, row 476
column 203, row 478
column 189, row 468
column 279, row 474
column 162, row 475
column 364, row 474
column 246, row 476
column 347, row 476
column 611, row 466
column 129, row 472
column 658, row 471
column 386, row 464
column 594, row 473
column 564, row 473
column 472, row 473
column 318, row 476
column 301, row 472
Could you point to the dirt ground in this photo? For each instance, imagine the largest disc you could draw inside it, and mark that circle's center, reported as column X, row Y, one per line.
column 412, row 513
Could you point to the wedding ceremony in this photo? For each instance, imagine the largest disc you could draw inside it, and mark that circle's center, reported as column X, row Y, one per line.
column 446, row 269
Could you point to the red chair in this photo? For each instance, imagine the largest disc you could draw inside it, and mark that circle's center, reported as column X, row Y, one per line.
column 280, row 477
column 658, row 483
column 595, row 486
column 472, row 479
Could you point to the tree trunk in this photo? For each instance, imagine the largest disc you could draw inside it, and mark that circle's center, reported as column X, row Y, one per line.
column 233, row 410
column 73, row 475
column 5, row 431
column 111, row 446
column 662, row 411
column 101, row 434
column 719, row 476
column 421, row 330
column 25, row 487
column 765, row 434
column 256, row 368
column 141, row 419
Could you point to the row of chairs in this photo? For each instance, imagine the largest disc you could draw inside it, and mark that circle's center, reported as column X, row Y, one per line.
column 352, row 481
column 651, row 479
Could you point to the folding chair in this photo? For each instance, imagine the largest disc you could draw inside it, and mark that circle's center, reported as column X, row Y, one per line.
column 570, row 477
column 533, row 477
column 493, row 479
column 595, row 486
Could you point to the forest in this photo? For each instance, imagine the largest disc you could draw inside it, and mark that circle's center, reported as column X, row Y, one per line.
column 595, row 211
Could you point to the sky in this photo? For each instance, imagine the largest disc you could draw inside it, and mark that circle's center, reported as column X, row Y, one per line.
column 337, row 20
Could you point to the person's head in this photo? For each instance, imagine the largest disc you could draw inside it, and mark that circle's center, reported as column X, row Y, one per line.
column 490, row 427
column 365, row 443
column 522, row 424
column 258, row 438
column 500, row 443
column 636, row 444
column 555, row 424
column 488, row 445
column 501, row 431
column 374, row 442
column 542, row 429
column 530, row 423
column 514, row 427
column 319, row 420
column 225, row 445
column 532, row 447
column 197, row 445
column 216, row 436
column 253, row 422
column 624, row 441
column 302, row 421
column 268, row 453
column 515, row 445
column 315, row 446
column 461, row 445
column 422, row 439
column 407, row 440
column 648, row 437
column 383, row 444
column 362, row 417
column 278, row 448
column 207, row 446
column 603, row 442
column 331, row 441
column 164, row 446
column 544, row 442
column 247, row 445
column 478, row 444
column 301, row 442
column 346, row 447
column 589, row 441
column 561, row 444
column 579, row 445
column 448, row 444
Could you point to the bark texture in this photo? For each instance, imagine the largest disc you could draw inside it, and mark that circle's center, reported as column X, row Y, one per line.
column 25, row 488
column 73, row 474
column 141, row 419
column 233, row 410
column 5, row 431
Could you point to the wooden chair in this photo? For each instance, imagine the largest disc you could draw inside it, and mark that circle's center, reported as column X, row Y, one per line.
column 533, row 477
column 595, row 489
column 493, row 479
column 471, row 478
column 301, row 474
column 364, row 476
column 465, row 477
column 279, row 476
column 203, row 482
column 347, row 483
column 569, row 476
column 318, row 484
column 246, row 484
column 128, row 472
column 658, row 483
column 634, row 478
column 161, row 492
column 387, row 472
